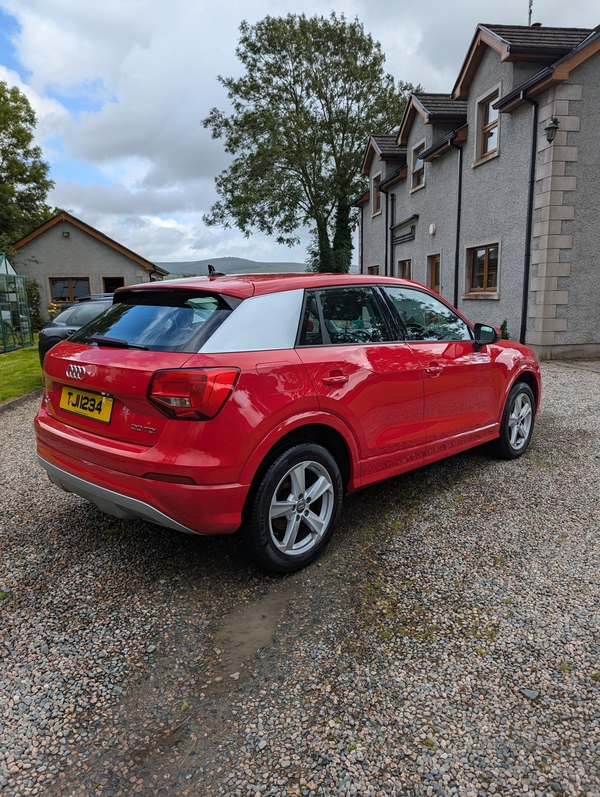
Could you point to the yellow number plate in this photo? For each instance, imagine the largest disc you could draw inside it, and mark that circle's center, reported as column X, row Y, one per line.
column 91, row 405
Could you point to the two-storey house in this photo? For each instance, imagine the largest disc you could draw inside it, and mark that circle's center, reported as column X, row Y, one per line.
column 489, row 194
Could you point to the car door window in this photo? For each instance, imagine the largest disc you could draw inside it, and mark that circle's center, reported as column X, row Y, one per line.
column 352, row 315
column 425, row 317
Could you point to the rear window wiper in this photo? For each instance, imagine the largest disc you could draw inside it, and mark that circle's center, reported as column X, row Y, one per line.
column 116, row 343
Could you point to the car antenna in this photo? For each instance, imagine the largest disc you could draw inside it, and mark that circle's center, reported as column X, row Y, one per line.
column 212, row 272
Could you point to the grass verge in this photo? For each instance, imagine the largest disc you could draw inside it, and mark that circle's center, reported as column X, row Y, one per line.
column 20, row 372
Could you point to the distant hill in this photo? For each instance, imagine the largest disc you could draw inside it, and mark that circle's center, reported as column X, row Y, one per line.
column 229, row 265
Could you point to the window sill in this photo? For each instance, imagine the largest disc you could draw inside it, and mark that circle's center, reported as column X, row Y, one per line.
column 486, row 158
column 377, row 213
column 417, row 188
column 486, row 296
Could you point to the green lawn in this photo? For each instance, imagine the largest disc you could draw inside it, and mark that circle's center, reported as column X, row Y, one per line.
column 20, row 372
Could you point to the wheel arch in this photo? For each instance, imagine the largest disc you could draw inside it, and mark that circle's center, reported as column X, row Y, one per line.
column 529, row 379
column 313, row 432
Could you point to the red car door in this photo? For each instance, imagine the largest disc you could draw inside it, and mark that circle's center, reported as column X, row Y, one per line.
column 461, row 385
column 363, row 376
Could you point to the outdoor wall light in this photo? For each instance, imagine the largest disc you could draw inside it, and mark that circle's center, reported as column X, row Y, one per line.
column 550, row 130
column 66, row 233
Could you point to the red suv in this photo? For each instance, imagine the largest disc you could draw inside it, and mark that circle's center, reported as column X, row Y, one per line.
column 214, row 403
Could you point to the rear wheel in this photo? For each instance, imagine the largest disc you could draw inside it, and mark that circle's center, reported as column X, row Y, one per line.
column 295, row 509
column 516, row 427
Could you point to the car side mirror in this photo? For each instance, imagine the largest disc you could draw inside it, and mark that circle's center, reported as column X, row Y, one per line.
column 485, row 335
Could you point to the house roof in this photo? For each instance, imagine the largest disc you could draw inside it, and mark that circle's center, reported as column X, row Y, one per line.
column 385, row 148
column 63, row 216
column 550, row 75
column 537, row 38
column 516, row 43
column 434, row 109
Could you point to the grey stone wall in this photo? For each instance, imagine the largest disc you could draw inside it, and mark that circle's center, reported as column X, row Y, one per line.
column 568, row 235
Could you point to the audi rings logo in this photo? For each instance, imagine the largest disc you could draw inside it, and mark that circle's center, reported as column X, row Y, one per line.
column 76, row 372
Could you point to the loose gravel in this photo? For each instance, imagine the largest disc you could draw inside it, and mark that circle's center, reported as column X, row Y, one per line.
column 448, row 642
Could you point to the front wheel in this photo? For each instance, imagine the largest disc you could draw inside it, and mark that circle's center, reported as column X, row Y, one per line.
column 518, row 418
column 295, row 509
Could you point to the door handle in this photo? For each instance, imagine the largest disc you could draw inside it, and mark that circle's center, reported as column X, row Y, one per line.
column 335, row 378
column 434, row 369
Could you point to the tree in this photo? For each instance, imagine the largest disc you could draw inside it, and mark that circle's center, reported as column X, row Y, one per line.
column 24, row 182
column 313, row 90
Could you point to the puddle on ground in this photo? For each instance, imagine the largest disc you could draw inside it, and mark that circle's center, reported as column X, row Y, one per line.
column 241, row 636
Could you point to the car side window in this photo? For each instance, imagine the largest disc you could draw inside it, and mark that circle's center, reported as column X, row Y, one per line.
column 352, row 315
column 425, row 317
column 86, row 312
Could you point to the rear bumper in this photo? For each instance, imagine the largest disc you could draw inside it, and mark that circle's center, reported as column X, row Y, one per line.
column 214, row 509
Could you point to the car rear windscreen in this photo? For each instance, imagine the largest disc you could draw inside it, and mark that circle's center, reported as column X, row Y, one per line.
column 158, row 320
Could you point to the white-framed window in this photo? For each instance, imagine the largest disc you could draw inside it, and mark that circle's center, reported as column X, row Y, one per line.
column 417, row 174
column 375, row 195
column 487, row 131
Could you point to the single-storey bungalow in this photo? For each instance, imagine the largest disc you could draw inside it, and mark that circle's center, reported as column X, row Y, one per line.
column 70, row 259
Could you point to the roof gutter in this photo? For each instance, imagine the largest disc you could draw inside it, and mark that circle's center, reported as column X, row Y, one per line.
column 520, row 92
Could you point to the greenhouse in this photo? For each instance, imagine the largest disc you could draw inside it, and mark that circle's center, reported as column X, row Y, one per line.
column 15, row 326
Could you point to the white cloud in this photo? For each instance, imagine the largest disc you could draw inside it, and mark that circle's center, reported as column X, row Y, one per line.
column 52, row 117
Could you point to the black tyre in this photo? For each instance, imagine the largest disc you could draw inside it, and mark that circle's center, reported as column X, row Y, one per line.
column 516, row 427
column 295, row 509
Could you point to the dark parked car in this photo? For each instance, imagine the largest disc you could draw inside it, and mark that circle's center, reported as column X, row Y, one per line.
column 70, row 320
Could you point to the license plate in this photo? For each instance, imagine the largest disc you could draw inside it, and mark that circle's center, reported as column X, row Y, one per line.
column 91, row 405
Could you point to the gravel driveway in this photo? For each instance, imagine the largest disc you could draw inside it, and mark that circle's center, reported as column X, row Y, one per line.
column 446, row 643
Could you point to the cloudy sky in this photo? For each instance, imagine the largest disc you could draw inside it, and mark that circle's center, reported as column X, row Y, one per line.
column 120, row 88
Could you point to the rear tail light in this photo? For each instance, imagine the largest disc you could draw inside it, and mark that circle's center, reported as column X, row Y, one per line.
column 192, row 394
